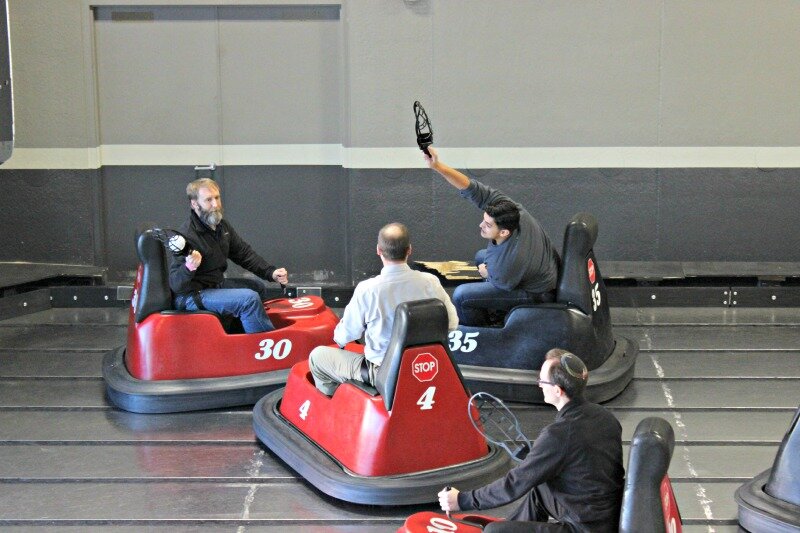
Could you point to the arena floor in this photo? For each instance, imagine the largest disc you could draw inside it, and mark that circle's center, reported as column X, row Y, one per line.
column 727, row 379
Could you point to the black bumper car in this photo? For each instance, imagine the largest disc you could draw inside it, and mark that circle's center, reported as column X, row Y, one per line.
column 398, row 443
column 186, row 361
column 771, row 500
column 505, row 361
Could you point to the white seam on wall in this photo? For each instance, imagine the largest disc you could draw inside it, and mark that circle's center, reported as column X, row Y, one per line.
column 405, row 157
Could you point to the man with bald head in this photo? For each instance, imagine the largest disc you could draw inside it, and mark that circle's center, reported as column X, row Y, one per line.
column 371, row 313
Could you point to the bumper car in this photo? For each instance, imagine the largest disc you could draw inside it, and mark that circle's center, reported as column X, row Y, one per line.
column 398, row 443
column 185, row 361
column 648, row 503
column 771, row 500
column 505, row 361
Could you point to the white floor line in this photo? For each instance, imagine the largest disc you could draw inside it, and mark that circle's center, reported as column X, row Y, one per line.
column 700, row 491
column 255, row 468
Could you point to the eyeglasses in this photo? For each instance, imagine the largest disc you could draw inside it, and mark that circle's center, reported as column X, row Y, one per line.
column 543, row 382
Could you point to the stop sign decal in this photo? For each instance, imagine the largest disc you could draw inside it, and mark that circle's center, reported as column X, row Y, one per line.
column 425, row 367
column 590, row 268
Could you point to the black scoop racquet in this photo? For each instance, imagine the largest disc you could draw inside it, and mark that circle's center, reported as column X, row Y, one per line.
column 497, row 423
column 423, row 127
column 172, row 240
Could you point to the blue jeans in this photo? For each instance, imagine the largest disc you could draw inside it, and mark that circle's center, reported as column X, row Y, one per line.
column 474, row 300
column 242, row 298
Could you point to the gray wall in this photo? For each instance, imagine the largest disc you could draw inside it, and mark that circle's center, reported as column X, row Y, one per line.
column 210, row 79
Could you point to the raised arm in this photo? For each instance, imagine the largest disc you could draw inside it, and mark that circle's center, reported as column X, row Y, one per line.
column 453, row 176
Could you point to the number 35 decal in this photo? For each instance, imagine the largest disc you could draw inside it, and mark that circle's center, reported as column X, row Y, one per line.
column 463, row 342
column 596, row 299
column 277, row 350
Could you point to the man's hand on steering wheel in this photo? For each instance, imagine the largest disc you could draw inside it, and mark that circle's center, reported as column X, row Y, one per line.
column 281, row 276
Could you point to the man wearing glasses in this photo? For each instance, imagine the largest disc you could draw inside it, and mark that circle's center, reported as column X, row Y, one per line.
column 519, row 263
column 574, row 471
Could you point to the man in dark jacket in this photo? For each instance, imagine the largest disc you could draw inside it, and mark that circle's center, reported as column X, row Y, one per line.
column 573, row 472
column 519, row 263
column 198, row 282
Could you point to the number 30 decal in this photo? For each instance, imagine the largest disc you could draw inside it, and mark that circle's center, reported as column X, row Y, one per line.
column 278, row 350
column 467, row 345
column 301, row 303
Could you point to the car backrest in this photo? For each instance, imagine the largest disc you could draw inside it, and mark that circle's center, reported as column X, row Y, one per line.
column 648, row 462
column 580, row 283
column 784, row 479
column 154, row 294
column 416, row 323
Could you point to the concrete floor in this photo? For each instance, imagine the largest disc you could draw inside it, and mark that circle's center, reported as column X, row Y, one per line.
column 727, row 379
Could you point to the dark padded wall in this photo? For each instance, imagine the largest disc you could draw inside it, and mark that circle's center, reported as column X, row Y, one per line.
column 50, row 216
column 644, row 214
column 321, row 222
column 294, row 216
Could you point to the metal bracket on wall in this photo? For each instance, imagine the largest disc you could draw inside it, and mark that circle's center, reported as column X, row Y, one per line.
column 211, row 169
column 729, row 297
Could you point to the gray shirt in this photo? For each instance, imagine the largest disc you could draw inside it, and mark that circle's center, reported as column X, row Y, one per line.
column 526, row 259
column 374, row 301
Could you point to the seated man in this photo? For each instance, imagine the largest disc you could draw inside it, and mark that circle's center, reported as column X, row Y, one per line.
column 198, row 281
column 371, row 313
column 519, row 263
column 573, row 472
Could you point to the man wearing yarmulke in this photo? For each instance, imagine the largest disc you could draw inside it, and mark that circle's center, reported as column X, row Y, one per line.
column 573, row 472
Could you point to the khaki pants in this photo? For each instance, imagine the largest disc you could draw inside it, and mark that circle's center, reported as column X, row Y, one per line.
column 332, row 366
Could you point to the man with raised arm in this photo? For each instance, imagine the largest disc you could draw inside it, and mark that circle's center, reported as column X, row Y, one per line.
column 371, row 313
column 519, row 263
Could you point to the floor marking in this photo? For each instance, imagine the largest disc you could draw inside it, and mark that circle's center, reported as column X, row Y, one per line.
column 700, row 491
column 255, row 469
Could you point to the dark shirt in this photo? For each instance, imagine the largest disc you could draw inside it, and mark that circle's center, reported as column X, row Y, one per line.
column 526, row 259
column 216, row 246
column 579, row 458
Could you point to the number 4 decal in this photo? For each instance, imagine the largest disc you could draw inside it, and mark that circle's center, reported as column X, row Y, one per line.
column 426, row 400
column 304, row 409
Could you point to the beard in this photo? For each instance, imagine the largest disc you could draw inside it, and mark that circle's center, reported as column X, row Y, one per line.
column 211, row 217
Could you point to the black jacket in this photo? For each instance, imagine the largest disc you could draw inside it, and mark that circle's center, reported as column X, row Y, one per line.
column 216, row 247
column 579, row 457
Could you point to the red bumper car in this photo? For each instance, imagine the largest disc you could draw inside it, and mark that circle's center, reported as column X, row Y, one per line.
column 395, row 444
column 186, row 361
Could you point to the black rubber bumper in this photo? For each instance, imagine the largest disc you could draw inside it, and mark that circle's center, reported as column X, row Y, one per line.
column 173, row 396
column 758, row 511
column 605, row 382
column 330, row 477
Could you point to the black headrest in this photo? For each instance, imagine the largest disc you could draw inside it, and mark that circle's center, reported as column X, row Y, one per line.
column 648, row 462
column 784, row 479
column 579, row 239
column 154, row 294
column 415, row 323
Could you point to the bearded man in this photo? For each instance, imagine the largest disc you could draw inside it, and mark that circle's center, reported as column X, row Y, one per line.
column 198, row 281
